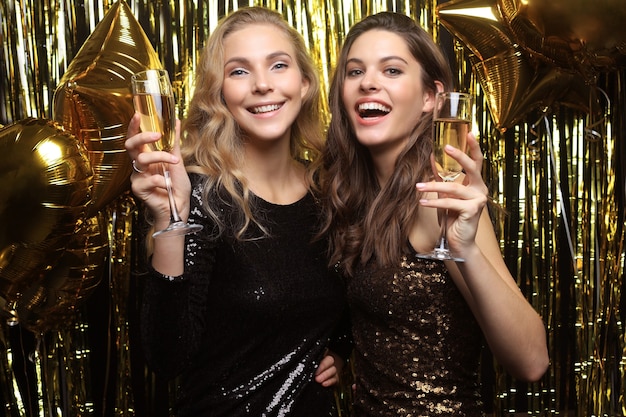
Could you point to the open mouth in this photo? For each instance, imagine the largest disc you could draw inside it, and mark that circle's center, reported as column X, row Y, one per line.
column 265, row 109
column 372, row 109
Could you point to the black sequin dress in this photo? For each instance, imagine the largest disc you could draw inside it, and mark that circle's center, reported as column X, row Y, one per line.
column 417, row 344
column 246, row 326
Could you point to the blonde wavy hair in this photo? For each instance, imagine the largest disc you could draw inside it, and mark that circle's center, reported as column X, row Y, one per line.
column 213, row 144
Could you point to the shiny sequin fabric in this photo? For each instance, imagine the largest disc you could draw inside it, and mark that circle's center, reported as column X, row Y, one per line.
column 246, row 326
column 417, row 344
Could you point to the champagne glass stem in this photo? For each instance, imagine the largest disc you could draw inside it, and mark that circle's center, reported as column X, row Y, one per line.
column 175, row 217
column 441, row 251
column 443, row 243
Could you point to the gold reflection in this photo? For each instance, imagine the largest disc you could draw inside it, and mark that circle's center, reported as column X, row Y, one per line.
column 479, row 12
column 49, row 151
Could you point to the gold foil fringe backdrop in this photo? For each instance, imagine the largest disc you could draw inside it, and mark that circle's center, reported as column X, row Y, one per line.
column 583, row 188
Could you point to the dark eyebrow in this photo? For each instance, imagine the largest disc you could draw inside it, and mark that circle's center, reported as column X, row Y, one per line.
column 384, row 59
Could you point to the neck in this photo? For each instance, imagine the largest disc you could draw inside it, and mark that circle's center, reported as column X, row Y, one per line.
column 274, row 176
column 384, row 165
column 384, row 157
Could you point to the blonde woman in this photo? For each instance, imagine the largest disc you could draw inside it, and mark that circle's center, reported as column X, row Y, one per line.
column 246, row 311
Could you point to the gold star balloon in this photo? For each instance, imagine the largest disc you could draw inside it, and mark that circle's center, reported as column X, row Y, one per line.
column 46, row 179
column 479, row 24
column 94, row 101
column 588, row 36
column 514, row 81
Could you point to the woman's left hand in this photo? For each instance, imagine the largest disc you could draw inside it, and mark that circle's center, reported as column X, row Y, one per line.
column 464, row 199
column 512, row 328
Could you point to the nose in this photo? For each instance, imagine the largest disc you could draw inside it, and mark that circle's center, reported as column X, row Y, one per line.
column 369, row 82
column 262, row 83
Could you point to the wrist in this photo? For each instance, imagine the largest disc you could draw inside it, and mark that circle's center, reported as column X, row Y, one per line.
column 469, row 251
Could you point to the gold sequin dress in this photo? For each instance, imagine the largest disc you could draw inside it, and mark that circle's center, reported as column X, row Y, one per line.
column 417, row 344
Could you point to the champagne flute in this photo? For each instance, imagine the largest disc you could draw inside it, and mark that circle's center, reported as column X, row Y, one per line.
column 451, row 122
column 153, row 99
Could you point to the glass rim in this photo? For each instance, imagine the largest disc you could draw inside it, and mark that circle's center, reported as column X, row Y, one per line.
column 160, row 71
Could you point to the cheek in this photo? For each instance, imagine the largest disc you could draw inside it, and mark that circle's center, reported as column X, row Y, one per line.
column 348, row 91
column 344, row 95
column 411, row 100
column 347, row 107
column 231, row 93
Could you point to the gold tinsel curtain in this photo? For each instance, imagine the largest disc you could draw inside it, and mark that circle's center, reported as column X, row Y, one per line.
column 555, row 172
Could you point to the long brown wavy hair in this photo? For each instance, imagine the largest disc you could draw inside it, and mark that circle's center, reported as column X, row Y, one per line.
column 213, row 142
column 366, row 222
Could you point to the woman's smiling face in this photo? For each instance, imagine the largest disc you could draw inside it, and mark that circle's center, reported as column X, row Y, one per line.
column 263, row 84
column 383, row 91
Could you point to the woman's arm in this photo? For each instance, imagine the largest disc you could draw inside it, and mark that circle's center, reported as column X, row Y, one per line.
column 513, row 329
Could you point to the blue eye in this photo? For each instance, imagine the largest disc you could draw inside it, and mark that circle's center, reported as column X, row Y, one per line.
column 237, row 72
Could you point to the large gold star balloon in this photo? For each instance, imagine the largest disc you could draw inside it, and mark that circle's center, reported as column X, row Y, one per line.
column 46, row 179
column 514, row 79
column 504, row 71
column 93, row 99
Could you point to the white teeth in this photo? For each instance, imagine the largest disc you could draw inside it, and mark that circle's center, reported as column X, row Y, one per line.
column 373, row 106
column 265, row 109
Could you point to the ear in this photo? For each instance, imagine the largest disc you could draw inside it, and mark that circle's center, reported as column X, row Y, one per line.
column 429, row 97
column 305, row 87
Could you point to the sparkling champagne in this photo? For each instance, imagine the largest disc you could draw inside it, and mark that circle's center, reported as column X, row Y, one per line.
column 154, row 101
column 449, row 132
column 157, row 115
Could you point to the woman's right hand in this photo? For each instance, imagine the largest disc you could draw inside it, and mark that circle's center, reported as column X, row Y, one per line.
column 149, row 184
